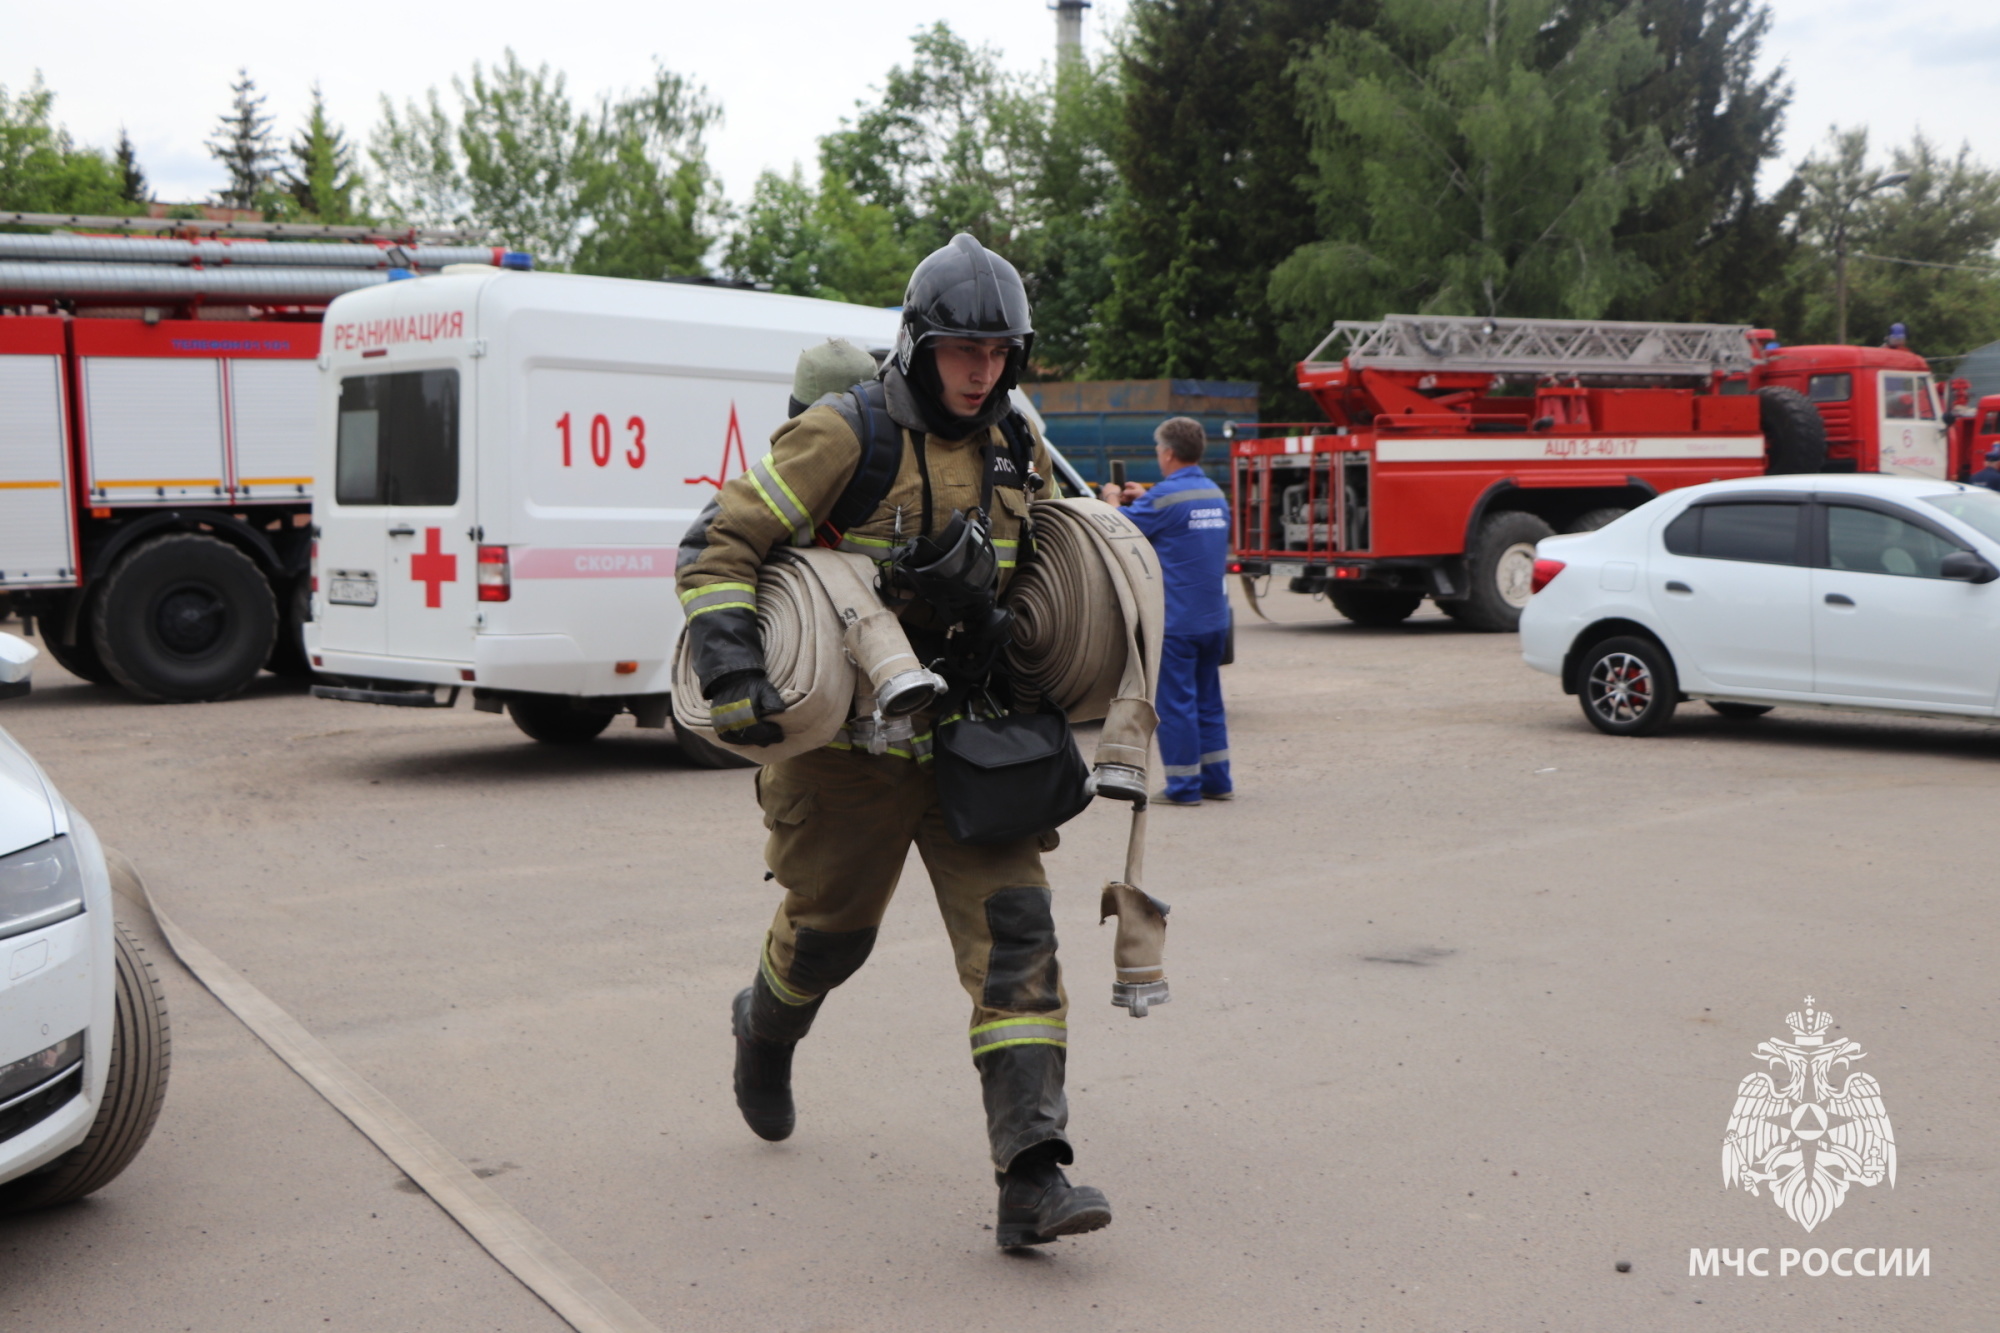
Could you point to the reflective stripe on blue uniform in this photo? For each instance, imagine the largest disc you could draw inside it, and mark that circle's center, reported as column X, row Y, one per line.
column 1186, row 517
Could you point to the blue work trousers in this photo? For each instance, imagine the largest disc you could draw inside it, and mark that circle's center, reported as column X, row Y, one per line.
column 1194, row 735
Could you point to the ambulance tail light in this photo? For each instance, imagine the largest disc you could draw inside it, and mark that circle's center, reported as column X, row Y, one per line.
column 496, row 578
column 1545, row 573
column 312, row 563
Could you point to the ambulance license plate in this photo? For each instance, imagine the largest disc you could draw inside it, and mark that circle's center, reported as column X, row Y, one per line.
column 351, row 590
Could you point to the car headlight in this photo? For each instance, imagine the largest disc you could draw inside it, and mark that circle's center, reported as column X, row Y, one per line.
column 39, row 886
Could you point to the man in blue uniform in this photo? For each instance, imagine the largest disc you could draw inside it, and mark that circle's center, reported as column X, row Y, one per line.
column 1186, row 517
column 1989, row 476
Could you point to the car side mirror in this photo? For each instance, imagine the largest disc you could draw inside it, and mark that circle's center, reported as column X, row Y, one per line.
column 17, row 658
column 1968, row 567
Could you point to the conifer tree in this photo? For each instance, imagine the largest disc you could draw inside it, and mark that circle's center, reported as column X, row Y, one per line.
column 133, row 180
column 242, row 143
column 1211, row 153
column 1717, row 251
column 320, row 178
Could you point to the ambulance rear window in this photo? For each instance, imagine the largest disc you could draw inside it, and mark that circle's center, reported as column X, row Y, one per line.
column 398, row 439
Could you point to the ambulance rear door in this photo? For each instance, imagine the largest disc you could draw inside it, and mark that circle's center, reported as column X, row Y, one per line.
column 403, row 478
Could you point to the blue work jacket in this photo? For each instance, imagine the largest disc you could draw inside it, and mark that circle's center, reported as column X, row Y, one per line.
column 1186, row 517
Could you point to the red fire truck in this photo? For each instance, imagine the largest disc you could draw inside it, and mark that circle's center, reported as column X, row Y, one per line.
column 157, row 401
column 1452, row 445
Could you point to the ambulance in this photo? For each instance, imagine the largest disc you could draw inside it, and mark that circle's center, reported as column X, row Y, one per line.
column 508, row 461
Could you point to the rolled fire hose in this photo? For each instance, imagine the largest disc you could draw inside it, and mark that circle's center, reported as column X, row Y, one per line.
column 1089, row 615
column 818, row 615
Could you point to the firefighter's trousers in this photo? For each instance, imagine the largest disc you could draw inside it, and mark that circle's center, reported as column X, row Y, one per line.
column 1194, row 734
column 841, row 825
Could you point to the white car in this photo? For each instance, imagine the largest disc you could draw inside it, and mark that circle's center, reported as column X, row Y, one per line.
column 83, row 1025
column 1843, row 591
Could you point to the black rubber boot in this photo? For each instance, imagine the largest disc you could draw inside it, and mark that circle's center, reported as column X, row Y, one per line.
column 1038, row 1204
column 763, row 1076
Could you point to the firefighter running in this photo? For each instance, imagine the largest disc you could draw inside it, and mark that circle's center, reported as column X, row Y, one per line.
column 950, row 505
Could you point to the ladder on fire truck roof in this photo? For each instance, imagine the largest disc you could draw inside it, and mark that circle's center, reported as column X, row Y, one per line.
column 1536, row 346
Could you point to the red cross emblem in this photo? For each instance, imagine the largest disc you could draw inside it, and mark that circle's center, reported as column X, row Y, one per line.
column 433, row 568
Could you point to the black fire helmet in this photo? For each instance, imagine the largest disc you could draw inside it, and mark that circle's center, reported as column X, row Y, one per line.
column 964, row 290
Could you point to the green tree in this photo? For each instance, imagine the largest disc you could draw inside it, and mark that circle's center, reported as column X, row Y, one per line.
column 1465, row 167
column 953, row 143
column 1211, row 152
column 1062, row 242
column 132, row 181
column 41, row 168
column 1921, row 253
column 1717, row 251
column 416, row 178
column 654, row 203
column 826, row 242
column 320, row 180
column 242, row 143
column 623, row 189
column 941, row 150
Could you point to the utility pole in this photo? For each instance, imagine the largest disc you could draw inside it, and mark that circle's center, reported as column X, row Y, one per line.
column 1069, row 28
column 1840, row 247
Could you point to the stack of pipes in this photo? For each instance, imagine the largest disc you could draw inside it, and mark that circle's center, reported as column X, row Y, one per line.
column 142, row 271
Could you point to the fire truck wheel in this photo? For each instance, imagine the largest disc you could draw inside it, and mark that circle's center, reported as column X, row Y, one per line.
column 185, row 618
column 1593, row 519
column 1794, row 432
column 288, row 653
column 705, row 754
column 1377, row 607
column 134, row 1087
column 81, row 659
column 1738, row 712
column 549, row 719
column 1501, row 569
column 1627, row 686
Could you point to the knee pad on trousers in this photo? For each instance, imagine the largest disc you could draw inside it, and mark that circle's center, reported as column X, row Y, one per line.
column 822, row 959
column 1021, row 973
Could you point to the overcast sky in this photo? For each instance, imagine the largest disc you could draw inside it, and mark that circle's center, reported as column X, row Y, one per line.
column 786, row 71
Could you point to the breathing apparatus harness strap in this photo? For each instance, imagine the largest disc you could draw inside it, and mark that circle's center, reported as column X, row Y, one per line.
column 882, row 457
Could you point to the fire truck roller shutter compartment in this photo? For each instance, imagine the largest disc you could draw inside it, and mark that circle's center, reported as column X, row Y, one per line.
column 153, row 429
column 37, row 544
column 271, row 425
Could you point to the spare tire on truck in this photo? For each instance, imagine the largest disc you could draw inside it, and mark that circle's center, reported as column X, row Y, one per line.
column 184, row 618
column 1794, row 432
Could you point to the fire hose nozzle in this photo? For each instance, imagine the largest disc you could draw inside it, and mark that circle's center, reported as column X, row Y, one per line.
column 908, row 692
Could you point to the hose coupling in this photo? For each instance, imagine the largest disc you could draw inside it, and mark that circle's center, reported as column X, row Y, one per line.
column 908, row 692
column 1138, row 996
column 1120, row 782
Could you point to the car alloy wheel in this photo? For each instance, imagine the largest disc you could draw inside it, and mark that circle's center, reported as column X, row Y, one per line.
column 1621, row 688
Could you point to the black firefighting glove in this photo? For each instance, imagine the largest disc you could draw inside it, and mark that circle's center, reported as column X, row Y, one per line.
column 738, row 705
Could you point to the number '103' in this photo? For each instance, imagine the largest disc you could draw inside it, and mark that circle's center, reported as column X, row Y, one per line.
column 602, row 446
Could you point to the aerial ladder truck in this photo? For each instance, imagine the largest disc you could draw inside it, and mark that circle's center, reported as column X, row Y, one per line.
column 1453, row 444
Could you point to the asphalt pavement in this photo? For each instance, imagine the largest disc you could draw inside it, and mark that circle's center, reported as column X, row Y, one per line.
column 1463, row 992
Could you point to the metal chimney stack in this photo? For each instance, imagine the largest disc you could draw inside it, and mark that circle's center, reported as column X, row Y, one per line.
column 1069, row 27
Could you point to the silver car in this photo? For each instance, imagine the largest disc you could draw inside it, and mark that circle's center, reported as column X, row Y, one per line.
column 83, row 1023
